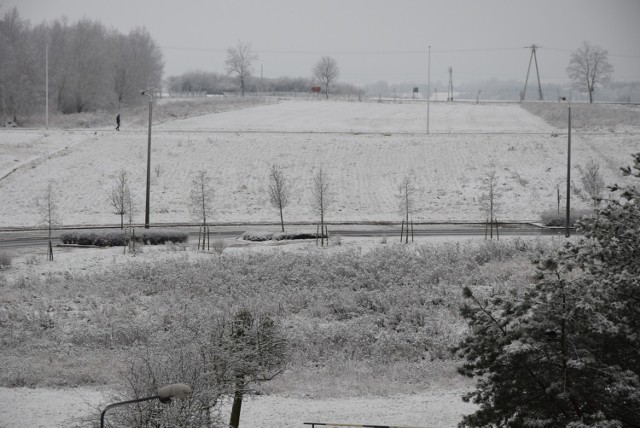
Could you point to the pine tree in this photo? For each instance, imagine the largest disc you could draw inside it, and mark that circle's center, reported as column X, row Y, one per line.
column 565, row 350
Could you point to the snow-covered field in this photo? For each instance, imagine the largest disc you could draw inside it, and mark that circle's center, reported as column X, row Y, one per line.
column 366, row 149
column 328, row 116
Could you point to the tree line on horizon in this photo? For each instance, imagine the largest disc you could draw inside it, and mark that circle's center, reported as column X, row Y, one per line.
column 88, row 66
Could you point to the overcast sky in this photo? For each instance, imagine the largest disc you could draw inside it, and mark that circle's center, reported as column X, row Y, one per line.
column 371, row 39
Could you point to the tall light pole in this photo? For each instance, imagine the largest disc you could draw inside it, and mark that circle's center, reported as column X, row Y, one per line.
column 165, row 394
column 146, row 209
column 428, row 86
column 46, row 79
column 568, row 215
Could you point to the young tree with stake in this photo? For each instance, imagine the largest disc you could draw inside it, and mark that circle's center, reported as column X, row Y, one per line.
column 120, row 195
column 279, row 190
column 407, row 201
column 49, row 214
column 489, row 200
column 201, row 201
column 321, row 198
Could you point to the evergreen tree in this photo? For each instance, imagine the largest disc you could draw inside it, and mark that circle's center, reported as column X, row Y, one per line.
column 565, row 351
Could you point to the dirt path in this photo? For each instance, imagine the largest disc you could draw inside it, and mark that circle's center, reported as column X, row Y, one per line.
column 47, row 407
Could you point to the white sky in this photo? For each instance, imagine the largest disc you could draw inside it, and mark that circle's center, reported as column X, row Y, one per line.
column 371, row 39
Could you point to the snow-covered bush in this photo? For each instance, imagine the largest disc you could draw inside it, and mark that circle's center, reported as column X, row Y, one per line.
column 117, row 237
column 5, row 260
column 552, row 218
column 277, row 236
column 257, row 236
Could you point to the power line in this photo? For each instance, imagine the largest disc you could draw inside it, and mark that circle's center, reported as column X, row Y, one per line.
column 382, row 52
column 350, row 52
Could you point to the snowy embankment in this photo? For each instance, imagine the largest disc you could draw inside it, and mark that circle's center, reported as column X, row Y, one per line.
column 366, row 149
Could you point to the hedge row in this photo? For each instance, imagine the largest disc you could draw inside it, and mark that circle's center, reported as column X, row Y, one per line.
column 551, row 217
column 112, row 238
column 278, row 236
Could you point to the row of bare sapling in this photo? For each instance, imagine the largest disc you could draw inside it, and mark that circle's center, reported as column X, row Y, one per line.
column 201, row 200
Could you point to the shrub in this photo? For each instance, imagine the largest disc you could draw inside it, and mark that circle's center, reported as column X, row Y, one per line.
column 294, row 235
column 117, row 237
column 100, row 238
column 161, row 236
column 551, row 217
column 5, row 260
column 257, row 236
column 279, row 236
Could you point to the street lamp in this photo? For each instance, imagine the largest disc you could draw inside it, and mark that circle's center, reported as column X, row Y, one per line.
column 146, row 209
column 165, row 394
column 567, row 233
column 428, row 86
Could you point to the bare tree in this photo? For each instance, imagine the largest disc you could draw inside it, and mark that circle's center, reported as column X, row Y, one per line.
column 239, row 62
column 120, row 195
column 89, row 67
column 201, row 197
column 326, row 71
column 201, row 204
column 137, row 63
column 589, row 67
column 18, row 77
column 321, row 197
column 130, row 207
column 407, row 200
column 257, row 354
column 49, row 213
column 489, row 203
column 592, row 181
column 279, row 190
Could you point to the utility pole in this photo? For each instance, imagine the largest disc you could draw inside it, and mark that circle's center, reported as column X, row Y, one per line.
column 147, row 203
column 261, row 87
column 46, row 80
column 450, row 88
column 567, row 231
column 428, row 86
column 533, row 57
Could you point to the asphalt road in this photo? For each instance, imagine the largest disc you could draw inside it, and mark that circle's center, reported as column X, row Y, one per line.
column 34, row 238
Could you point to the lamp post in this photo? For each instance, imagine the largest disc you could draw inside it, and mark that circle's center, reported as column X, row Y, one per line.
column 165, row 394
column 428, row 86
column 568, row 215
column 146, row 209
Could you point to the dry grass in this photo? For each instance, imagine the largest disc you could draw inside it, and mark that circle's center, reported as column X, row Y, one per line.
column 352, row 317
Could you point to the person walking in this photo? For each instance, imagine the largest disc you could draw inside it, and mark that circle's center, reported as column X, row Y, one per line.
column 118, row 122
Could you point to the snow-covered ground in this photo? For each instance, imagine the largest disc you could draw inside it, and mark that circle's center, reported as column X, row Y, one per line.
column 330, row 116
column 68, row 407
column 364, row 148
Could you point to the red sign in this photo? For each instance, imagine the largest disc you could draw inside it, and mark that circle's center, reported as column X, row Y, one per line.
column 315, row 89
